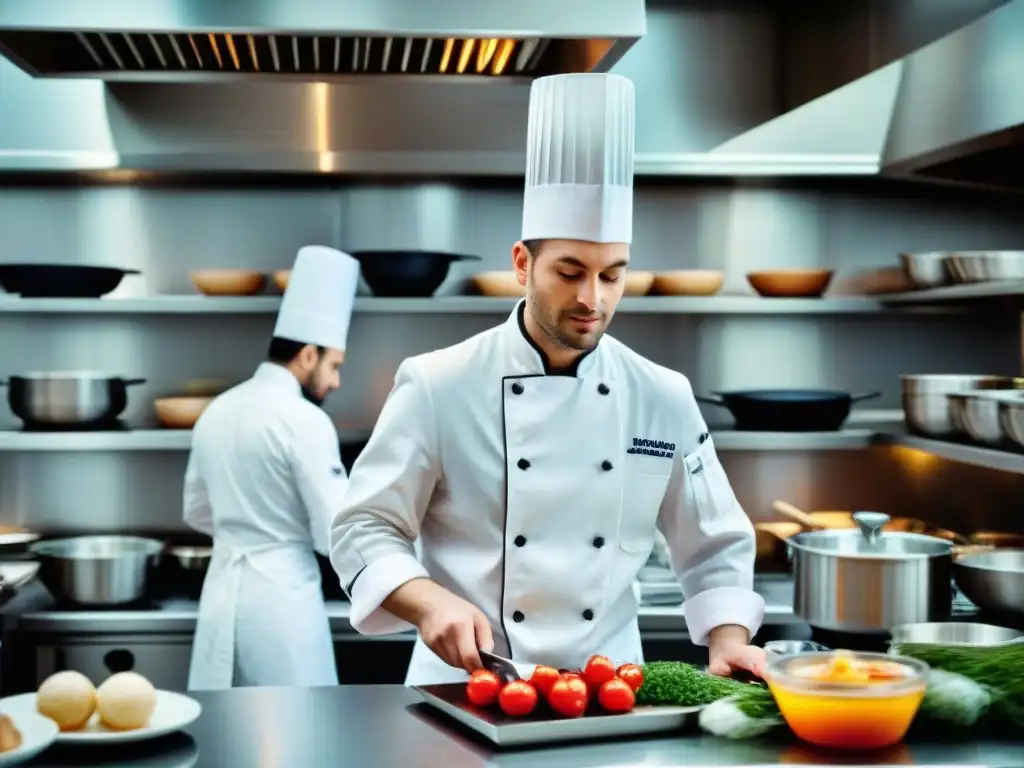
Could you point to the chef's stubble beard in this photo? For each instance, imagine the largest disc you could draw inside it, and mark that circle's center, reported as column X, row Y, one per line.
column 542, row 315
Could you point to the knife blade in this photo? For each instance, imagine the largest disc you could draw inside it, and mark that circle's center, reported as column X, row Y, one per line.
column 504, row 668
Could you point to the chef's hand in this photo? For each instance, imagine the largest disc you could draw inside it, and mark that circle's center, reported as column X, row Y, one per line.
column 729, row 652
column 451, row 627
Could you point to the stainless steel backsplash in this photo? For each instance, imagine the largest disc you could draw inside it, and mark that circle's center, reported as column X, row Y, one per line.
column 166, row 232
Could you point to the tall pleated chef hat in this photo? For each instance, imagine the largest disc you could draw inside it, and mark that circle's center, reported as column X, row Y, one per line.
column 317, row 305
column 579, row 159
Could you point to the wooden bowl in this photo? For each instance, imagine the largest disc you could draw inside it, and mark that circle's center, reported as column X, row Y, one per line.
column 281, row 279
column 791, row 282
column 180, row 412
column 229, row 282
column 638, row 283
column 501, row 283
column 689, row 282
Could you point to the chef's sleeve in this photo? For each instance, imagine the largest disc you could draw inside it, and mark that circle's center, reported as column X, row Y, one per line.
column 315, row 460
column 198, row 514
column 710, row 538
column 372, row 542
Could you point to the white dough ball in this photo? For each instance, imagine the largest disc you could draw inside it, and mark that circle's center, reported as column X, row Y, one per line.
column 68, row 698
column 126, row 701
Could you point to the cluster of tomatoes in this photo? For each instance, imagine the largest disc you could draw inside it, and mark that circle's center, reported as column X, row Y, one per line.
column 567, row 693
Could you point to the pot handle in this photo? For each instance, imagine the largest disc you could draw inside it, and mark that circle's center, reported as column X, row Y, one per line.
column 864, row 396
column 710, row 399
column 130, row 382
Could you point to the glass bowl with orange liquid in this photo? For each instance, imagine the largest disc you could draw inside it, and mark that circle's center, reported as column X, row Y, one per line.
column 846, row 699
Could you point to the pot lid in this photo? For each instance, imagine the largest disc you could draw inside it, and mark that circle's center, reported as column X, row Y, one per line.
column 869, row 540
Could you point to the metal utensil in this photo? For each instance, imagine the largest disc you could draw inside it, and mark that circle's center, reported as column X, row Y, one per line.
column 868, row 579
column 977, row 413
column 954, row 633
column 97, row 570
column 68, row 398
column 1011, row 420
column 504, row 668
column 191, row 558
column 981, row 266
column 993, row 580
column 926, row 405
column 926, row 270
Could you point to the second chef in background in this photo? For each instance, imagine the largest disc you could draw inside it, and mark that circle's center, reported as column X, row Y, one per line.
column 534, row 462
column 265, row 480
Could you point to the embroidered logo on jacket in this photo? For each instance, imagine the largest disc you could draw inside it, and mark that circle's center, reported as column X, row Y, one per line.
column 646, row 447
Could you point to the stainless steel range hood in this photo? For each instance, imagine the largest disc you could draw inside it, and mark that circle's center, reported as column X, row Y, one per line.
column 951, row 112
column 217, row 40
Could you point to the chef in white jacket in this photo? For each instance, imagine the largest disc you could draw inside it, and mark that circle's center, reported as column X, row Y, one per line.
column 534, row 462
column 265, row 480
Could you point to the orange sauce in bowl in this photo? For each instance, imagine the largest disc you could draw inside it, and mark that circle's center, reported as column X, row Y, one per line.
column 846, row 703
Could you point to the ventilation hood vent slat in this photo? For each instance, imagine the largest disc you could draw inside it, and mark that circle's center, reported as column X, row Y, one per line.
column 196, row 41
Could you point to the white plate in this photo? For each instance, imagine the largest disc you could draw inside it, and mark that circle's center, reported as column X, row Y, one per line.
column 37, row 733
column 173, row 712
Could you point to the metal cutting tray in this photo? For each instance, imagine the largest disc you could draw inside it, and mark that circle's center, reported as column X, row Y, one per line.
column 544, row 727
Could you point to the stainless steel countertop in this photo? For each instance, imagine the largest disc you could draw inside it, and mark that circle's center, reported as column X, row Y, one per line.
column 33, row 610
column 313, row 727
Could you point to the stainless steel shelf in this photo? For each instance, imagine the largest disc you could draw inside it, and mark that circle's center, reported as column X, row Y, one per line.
column 842, row 440
column 127, row 440
column 996, row 289
column 699, row 305
column 988, row 458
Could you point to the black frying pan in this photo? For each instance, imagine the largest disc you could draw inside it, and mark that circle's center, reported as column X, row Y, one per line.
column 788, row 410
column 61, row 281
column 406, row 273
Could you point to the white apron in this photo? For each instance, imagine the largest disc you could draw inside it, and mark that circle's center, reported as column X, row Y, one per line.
column 262, row 620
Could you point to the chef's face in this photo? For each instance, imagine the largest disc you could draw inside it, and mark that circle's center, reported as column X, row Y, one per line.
column 572, row 288
column 319, row 372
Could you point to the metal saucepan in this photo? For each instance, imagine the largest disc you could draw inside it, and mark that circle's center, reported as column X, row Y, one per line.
column 868, row 579
column 70, row 399
column 926, row 404
column 788, row 410
column 64, row 281
column 406, row 273
column 773, row 554
column 993, row 581
column 192, row 559
column 97, row 570
column 954, row 633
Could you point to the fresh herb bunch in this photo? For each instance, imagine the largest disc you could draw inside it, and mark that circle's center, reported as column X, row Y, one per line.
column 999, row 669
column 681, row 684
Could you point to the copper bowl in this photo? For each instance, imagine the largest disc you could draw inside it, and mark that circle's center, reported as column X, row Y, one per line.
column 792, row 283
column 689, row 282
column 229, row 282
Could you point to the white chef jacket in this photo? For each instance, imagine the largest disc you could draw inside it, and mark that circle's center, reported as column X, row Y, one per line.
column 265, row 480
column 536, row 497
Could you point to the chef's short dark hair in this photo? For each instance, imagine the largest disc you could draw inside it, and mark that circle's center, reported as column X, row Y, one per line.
column 285, row 350
column 533, row 246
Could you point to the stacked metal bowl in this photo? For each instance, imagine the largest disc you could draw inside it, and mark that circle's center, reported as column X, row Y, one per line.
column 935, row 269
column 986, row 410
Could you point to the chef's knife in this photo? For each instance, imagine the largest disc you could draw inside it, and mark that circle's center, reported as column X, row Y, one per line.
column 504, row 668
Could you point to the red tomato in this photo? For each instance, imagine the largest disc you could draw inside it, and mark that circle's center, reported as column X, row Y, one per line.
column 518, row 698
column 632, row 675
column 543, row 678
column 483, row 688
column 568, row 697
column 616, row 696
column 599, row 670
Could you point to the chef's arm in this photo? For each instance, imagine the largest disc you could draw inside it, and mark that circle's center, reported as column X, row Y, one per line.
column 712, row 546
column 315, row 460
column 198, row 514
column 389, row 490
